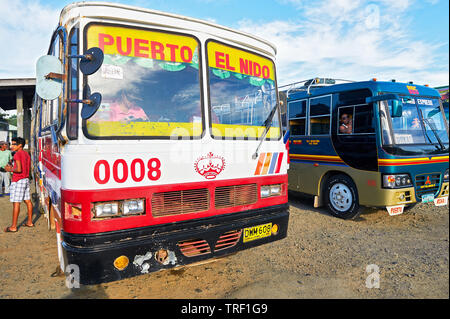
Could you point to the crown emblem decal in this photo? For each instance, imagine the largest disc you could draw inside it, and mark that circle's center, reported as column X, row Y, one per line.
column 209, row 166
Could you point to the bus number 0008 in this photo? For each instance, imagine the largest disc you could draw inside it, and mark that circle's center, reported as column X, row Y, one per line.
column 120, row 171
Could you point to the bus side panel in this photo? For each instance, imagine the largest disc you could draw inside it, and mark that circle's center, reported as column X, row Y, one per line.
column 51, row 166
column 311, row 158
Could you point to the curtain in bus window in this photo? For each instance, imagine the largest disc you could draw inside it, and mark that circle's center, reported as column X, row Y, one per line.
column 242, row 93
column 149, row 82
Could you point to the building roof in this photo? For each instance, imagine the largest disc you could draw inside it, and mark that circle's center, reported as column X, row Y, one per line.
column 8, row 88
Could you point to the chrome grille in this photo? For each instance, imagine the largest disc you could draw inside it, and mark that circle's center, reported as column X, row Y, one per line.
column 180, row 202
column 236, row 195
column 427, row 184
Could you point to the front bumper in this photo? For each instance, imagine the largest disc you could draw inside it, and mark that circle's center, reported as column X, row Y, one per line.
column 400, row 196
column 185, row 243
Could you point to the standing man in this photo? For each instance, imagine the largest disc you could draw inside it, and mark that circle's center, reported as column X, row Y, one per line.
column 20, row 186
column 5, row 158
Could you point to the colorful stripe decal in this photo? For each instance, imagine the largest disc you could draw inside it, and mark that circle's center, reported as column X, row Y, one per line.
column 280, row 160
column 412, row 161
column 273, row 163
column 261, row 158
column 269, row 163
column 317, row 159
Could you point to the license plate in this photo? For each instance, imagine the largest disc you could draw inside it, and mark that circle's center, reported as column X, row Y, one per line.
column 257, row 232
column 395, row 210
column 427, row 198
column 441, row 201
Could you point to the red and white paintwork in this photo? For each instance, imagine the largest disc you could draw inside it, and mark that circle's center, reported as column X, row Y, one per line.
column 84, row 171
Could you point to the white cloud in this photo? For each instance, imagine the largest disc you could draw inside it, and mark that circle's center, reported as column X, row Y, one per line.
column 25, row 31
column 355, row 39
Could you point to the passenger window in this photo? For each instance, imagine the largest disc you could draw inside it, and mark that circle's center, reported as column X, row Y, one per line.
column 363, row 119
column 319, row 115
column 345, row 120
column 72, row 118
column 297, row 117
column 355, row 119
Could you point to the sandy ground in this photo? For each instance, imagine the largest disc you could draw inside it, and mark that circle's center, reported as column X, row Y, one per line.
column 322, row 257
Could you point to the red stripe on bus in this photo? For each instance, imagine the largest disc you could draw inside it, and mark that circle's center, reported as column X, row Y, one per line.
column 87, row 197
column 410, row 163
column 280, row 160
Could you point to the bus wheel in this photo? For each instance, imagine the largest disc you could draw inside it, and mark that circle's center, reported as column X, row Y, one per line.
column 341, row 197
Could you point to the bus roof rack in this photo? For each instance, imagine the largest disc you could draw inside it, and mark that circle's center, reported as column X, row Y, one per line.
column 314, row 83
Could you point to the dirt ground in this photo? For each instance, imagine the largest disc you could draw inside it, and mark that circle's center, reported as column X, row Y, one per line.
column 322, row 257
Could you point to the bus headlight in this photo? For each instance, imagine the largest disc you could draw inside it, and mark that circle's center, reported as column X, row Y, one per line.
column 108, row 209
column 119, row 208
column 446, row 176
column 397, row 181
column 270, row 190
column 132, row 207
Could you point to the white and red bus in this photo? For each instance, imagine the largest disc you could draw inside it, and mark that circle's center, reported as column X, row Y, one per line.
column 157, row 141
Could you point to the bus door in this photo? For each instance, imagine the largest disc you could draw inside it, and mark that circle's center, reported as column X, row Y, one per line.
column 353, row 130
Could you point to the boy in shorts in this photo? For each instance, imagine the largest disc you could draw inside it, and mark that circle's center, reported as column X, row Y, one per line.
column 20, row 186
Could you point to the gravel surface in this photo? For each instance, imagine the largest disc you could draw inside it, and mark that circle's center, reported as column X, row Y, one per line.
column 322, row 257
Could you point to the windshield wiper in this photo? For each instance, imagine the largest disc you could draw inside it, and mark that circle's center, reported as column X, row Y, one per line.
column 424, row 120
column 267, row 124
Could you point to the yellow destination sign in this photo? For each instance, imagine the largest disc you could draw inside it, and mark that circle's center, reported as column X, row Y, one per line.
column 142, row 43
column 235, row 60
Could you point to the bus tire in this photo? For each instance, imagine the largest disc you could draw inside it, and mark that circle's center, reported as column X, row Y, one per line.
column 341, row 197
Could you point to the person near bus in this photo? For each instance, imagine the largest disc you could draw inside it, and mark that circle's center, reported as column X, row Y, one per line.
column 20, row 186
column 346, row 126
column 5, row 158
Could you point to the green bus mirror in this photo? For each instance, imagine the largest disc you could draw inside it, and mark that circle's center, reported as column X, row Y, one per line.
column 49, row 77
column 397, row 108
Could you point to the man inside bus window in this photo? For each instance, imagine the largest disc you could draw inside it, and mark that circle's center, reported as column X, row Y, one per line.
column 346, row 124
column 123, row 108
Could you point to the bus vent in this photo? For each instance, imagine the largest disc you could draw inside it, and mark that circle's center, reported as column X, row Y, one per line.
column 194, row 247
column 228, row 240
column 180, row 202
column 236, row 195
column 427, row 184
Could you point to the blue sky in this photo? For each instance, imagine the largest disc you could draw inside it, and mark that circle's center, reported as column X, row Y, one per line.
column 406, row 40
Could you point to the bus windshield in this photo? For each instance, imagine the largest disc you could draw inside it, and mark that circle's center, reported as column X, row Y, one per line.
column 242, row 93
column 149, row 82
column 422, row 122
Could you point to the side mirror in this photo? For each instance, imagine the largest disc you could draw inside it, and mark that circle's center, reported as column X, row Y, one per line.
column 49, row 77
column 91, row 61
column 397, row 105
column 91, row 105
column 397, row 108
